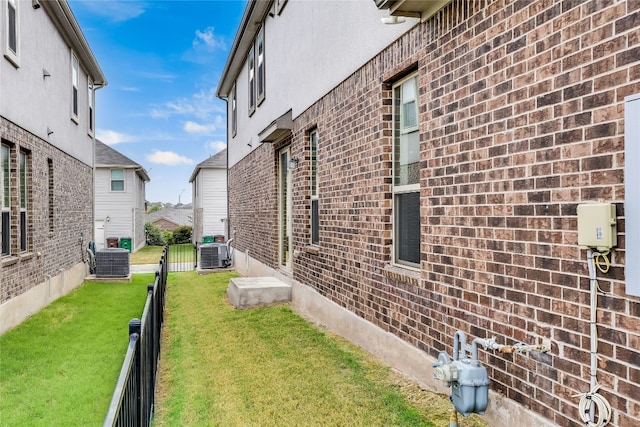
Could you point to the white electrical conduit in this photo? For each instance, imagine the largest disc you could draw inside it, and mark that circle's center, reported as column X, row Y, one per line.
column 592, row 400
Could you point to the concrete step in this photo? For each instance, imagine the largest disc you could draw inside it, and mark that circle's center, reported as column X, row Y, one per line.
column 247, row 292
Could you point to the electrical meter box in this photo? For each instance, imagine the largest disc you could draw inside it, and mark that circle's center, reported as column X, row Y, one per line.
column 597, row 226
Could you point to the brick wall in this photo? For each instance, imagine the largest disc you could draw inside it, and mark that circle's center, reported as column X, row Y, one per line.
column 52, row 244
column 521, row 119
column 253, row 204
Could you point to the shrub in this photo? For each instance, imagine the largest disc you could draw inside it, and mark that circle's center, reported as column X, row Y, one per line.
column 155, row 236
column 168, row 237
column 182, row 234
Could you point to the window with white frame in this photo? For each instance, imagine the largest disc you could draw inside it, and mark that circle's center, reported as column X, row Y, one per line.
column 260, row 78
column 12, row 35
column 91, row 113
column 5, row 198
column 252, row 82
column 315, row 185
column 117, row 179
column 75, row 76
column 23, row 163
column 234, row 112
column 406, row 172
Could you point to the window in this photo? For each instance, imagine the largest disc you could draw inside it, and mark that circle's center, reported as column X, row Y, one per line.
column 252, row 84
column 315, row 234
column 234, row 112
column 91, row 113
column 74, row 85
column 117, row 180
column 11, row 48
column 23, row 161
column 5, row 198
column 260, row 65
column 406, row 172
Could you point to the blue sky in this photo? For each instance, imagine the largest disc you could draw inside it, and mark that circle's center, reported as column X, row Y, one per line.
column 162, row 60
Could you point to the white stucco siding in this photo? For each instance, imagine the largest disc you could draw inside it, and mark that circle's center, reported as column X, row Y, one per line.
column 35, row 102
column 214, row 200
column 330, row 39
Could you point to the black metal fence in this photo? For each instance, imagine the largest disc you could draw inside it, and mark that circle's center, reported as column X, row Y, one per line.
column 183, row 257
column 133, row 399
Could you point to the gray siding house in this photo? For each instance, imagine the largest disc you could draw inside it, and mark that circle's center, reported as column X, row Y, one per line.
column 119, row 198
column 209, row 192
column 48, row 77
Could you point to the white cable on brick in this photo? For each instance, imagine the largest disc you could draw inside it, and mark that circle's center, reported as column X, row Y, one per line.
column 600, row 403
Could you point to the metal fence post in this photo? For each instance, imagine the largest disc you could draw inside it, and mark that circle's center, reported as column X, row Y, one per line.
column 135, row 327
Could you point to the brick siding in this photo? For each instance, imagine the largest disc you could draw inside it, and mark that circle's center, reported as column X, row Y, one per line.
column 49, row 250
column 521, row 119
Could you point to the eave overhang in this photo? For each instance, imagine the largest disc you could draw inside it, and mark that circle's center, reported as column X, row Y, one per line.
column 253, row 17
column 64, row 19
column 278, row 129
column 423, row 9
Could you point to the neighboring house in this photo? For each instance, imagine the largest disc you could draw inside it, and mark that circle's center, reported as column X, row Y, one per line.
column 48, row 76
column 209, row 184
column 417, row 179
column 119, row 198
column 168, row 219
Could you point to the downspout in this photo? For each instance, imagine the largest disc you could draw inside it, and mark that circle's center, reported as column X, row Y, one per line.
column 93, row 159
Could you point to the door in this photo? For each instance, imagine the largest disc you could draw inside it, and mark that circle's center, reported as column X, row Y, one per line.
column 99, row 234
column 284, row 208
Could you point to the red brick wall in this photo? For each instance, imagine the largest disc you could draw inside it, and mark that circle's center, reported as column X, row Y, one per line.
column 521, row 112
column 53, row 243
column 253, row 204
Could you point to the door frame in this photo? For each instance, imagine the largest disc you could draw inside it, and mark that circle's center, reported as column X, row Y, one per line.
column 285, row 198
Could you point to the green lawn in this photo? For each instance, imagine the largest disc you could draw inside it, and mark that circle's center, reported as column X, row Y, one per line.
column 269, row 367
column 147, row 255
column 219, row 366
column 60, row 367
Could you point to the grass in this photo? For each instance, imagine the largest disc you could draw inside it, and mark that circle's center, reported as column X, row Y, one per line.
column 147, row 255
column 152, row 254
column 269, row 367
column 59, row 367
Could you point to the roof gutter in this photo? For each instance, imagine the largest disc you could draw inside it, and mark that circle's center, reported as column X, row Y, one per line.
column 249, row 25
column 65, row 21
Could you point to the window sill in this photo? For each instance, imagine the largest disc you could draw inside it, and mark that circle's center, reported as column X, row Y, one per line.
column 24, row 256
column 312, row 249
column 9, row 260
column 402, row 274
column 75, row 119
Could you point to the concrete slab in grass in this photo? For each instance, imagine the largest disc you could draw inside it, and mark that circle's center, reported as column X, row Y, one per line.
column 247, row 292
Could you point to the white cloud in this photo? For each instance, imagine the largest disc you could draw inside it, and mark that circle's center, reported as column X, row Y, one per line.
column 193, row 127
column 130, row 89
column 168, row 158
column 207, row 40
column 203, row 105
column 216, row 146
column 111, row 137
column 116, row 11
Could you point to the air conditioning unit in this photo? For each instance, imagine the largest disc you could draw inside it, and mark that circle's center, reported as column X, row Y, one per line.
column 213, row 255
column 112, row 262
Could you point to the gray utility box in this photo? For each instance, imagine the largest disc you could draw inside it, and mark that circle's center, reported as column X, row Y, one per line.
column 470, row 394
column 213, row 255
column 112, row 262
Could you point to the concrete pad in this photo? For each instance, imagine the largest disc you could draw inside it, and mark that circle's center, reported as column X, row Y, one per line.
column 247, row 292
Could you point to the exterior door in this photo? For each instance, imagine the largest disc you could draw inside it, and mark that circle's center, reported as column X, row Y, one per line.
column 284, row 208
column 99, row 234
